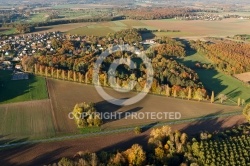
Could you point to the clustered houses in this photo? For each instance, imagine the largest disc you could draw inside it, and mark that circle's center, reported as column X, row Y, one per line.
column 27, row 44
column 14, row 48
column 206, row 17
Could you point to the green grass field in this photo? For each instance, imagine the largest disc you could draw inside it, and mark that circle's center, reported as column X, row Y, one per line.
column 91, row 30
column 216, row 81
column 102, row 28
column 8, row 31
column 21, row 90
column 37, row 17
column 26, row 120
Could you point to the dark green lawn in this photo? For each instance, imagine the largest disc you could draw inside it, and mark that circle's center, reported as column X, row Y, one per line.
column 217, row 81
column 21, row 90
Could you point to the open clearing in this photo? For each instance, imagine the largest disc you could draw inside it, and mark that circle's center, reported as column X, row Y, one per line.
column 21, row 90
column 26, row 120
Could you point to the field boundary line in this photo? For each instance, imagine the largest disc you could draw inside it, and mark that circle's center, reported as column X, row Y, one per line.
column 119, row 130
column 24, row 102
column 134, row 91
column 49, row 89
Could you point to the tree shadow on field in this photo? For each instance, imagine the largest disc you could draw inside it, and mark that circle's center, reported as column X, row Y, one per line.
column 147, row 35
column 48, row 157
column 129, row 112
column 210, row 81
column 126, row 144
column 234, row 93
column 248, row 100
column 210, row 123
column 209, row 77
column 8, row 152
column 10, row 89
column 39, row 29
column 149, row 126
column 111, row 109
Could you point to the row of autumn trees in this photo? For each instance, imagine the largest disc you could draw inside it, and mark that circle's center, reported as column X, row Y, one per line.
column 174, row 91
column 229, row 57
column 179, row 79
column 168, row 147
column 150, row 13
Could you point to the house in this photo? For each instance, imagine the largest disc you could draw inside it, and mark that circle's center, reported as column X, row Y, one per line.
column 19, row 67
column 16, row 59
column 6, row 63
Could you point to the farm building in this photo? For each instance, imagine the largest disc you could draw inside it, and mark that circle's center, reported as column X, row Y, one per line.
column 18, row 75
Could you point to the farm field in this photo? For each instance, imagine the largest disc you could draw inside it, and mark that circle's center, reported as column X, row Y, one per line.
column 217, row 81
column 47, row 118
column 53, row 151
column 64, row 99
column 192, row 28
column 25, row 120
column 7, row 31
column 21, row 90
column 61, row 28
column 92, row 30
column 244, row 77
column 82, row 6
column 37, row 17
column 225, row 27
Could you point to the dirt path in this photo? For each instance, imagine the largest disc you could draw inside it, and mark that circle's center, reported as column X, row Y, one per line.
column 45, row 153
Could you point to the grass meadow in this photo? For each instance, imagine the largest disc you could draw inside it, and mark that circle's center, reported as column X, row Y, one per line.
column 217, row 81
column 26, row 120
column 21, row 90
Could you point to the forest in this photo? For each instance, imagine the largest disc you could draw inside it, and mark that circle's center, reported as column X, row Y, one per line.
column 229, row 57
column 151, row 13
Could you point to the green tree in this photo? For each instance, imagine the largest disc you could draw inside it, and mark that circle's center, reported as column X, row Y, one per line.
column 65, row 162
column 246, row 112
column 182, row 94
column 135, row 155
column 160, row 155
column 137, row 130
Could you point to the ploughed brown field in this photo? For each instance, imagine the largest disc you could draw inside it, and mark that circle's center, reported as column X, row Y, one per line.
column 48, row 118
column 47, row 153
column 64, row 95
column 244, row 77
